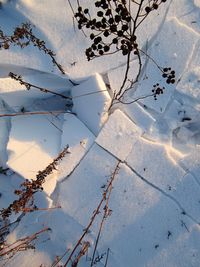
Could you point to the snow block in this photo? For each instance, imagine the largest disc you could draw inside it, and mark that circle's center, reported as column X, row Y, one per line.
column 153, row 161
column 118, row 135
column 17, row 96
column 33, row 143
column 91, row 101
column 189, row 83
column 191, row 161
column 80, row 194
column 167, row 54
column 4, row 133
column 139, row 115
column 79, row 138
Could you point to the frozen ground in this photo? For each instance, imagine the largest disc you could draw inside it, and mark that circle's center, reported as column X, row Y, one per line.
column 155, row 200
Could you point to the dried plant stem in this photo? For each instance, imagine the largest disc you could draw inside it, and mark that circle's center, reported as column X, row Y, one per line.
column 35, row 113
column 119, row 94
column 72, row 9
column 81, row 253
column 46, row 90
column 30, row 187
column 21, row 244
column 107, row 256
column 115, row 19
column 40, row 209
column 107, row 212
column 23, row 36
column 30, row 85
column 105, row 195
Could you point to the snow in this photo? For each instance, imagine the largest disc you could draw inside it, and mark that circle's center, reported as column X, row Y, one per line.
column 33, row 144
column 6, row 190
column 197, row 3
column 138, row 114
column 93, row 172
column 17, row 96
column 4, row 132
column 151, row 160
column 189, row 83
column 145, row 229
column 154, row 203
column 79, row 139
column 91, row 93
column 166, row 54
column 122, row 132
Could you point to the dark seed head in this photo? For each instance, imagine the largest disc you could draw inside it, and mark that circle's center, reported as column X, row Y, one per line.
column 155, row 6
column 115, row 41
column 100, row 14
column 101, row 52
column 147, row 9
column 106, row 33
column 106, row 48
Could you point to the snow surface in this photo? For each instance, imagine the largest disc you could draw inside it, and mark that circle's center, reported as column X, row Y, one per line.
column 155, row 198
column 79, row 139
column 122, row 132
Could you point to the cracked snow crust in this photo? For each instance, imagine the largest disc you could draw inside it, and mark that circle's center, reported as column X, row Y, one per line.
column 155, row 200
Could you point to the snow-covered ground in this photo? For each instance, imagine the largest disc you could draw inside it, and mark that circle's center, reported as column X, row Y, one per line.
column 155, row 199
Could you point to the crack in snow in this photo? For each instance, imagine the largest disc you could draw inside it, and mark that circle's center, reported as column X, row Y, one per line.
column 164, row 193
column 173, row 199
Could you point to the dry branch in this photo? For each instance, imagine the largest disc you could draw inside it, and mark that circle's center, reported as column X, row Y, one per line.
column 115, row 29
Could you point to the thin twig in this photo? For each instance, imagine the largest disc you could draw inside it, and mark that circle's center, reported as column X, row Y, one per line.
column 107, row 255
column 27, row 113
column 105, row 215
column 74, row 15
column 40, row 209
column 81, row 253
column 30, row 85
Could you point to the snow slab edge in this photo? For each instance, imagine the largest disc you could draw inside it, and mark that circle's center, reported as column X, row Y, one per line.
column 33, row 144
column 79, row 139
column 91, row 102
